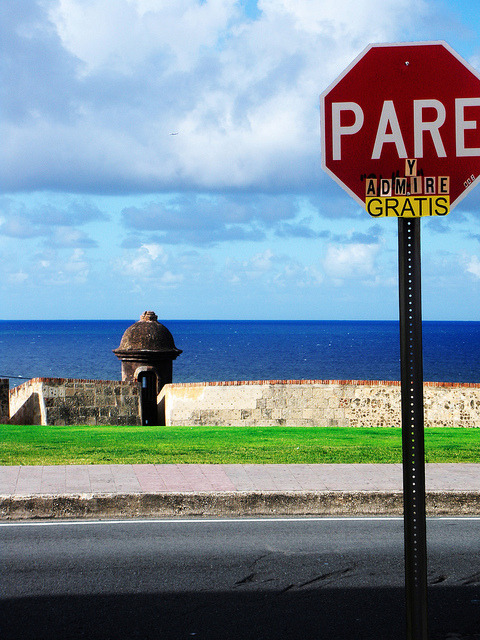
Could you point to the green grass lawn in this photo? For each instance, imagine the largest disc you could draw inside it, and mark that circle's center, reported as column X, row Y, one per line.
column 39, row 445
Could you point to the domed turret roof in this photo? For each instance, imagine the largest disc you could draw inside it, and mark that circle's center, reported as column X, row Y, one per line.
column 148, row 335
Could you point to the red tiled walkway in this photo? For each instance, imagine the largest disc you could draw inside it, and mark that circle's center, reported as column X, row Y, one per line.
column 191, row 478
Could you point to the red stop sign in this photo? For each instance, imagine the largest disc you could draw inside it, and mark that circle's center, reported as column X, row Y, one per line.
column 403, row 111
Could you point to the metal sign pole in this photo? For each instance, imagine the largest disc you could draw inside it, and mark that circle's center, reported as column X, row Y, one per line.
column 413, row 427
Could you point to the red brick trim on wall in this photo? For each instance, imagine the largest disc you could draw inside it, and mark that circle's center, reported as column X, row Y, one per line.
column 59, row 381
column 391, row 383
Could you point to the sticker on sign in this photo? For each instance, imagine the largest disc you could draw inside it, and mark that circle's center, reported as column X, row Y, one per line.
column 401, row 129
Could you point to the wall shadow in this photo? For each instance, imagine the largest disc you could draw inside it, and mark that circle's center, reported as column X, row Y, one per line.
column 314, row 614
column 29, row 412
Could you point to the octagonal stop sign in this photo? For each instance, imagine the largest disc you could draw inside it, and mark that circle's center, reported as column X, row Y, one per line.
column 401, row 129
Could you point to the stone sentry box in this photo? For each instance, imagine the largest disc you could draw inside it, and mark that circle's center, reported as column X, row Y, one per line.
column 147, row 351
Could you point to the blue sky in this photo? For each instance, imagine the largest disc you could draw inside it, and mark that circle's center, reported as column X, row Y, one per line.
column 165, row 155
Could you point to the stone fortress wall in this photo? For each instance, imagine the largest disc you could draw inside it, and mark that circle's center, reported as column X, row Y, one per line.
column 336, row 403
column 333, row 403
column 60, row 401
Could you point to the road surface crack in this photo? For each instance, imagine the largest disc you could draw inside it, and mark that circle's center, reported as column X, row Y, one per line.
column 250, row 577
column 246, row 579
column 473, row 579
column 322, row 577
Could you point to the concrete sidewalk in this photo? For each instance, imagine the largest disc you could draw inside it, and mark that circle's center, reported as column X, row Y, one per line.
column 148, row 490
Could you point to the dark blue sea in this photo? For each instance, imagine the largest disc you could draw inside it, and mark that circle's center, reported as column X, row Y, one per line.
column 243, row 350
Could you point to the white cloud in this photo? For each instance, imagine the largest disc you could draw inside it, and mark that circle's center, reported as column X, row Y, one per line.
column 155, row 251
column 260, row 262
column 139, row 29
column 77, row 265
column 353, row 260
column 210, row 219
column 70, row 237
column 149, row 263
column 17, row 278
column 59, row 268
column 48, row 221
column 269, row 269
column 472, row 265
column 241, row 94
column 347, row 19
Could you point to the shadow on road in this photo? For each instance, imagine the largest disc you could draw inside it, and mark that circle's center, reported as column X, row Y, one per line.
column 320, row 614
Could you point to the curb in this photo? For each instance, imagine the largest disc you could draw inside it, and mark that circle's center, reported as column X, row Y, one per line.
column 232, row 504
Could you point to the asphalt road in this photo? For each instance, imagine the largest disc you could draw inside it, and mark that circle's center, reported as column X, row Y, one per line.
column 232, row 579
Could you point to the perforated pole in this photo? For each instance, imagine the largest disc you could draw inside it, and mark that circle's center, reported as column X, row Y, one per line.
column 413, row 427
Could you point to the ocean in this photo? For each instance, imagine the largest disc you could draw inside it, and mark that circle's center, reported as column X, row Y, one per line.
column 242, row 350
